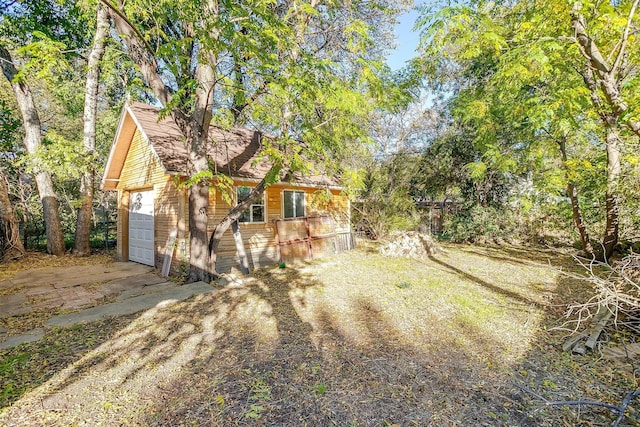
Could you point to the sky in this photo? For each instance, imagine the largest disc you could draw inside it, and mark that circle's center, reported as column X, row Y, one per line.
column 407, row 40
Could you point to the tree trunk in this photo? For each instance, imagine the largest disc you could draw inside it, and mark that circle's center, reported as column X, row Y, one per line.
column 231, row 217
column 83, row 222
column 199, row 268
column 10, row 243
column 611, row 235
column 614, row 168
column 32, row 140
column 575, row 203
column 609, row 75
column 196, row 130
column 194, row 127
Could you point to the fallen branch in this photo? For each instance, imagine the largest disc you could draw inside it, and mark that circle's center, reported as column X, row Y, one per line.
column 618, row 410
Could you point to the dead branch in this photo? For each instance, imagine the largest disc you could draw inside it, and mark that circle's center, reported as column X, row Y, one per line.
column 616, row 409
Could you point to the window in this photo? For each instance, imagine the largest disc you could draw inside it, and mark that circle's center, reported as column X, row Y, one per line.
column 255, row 213
column 293, row 202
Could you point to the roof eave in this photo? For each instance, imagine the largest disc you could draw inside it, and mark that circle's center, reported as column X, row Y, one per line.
column 111, row 178
column 105, row 183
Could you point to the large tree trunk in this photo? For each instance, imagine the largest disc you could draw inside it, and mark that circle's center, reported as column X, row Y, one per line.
column 199, row 268
column 614, row 168
column 83, row 222
column 10, row 243
column 32, row 140
column 575, row 203
column 611, row 234
column 196, row 129
column 193, row 121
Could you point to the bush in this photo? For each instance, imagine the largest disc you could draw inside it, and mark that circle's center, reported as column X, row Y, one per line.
column 480, row 225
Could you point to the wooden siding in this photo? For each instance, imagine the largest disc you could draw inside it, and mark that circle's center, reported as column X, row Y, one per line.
column 142, row 171
column 259, row 238
column 141, row 168
column 168, row 204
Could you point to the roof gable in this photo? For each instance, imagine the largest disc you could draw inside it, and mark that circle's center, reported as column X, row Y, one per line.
column 235, row 152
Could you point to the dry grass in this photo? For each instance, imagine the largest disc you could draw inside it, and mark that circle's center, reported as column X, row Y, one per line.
column 355, row 340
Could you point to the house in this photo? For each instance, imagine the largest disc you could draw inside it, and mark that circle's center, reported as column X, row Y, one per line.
column 147, row 164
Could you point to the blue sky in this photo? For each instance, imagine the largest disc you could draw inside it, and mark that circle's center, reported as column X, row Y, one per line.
column 407, row 40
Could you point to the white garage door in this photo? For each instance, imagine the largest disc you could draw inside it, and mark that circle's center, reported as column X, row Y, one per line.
column 141, row 242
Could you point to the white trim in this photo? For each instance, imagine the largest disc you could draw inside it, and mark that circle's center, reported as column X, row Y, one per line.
column 264, row 206
column 123, row 113
column 304, row 203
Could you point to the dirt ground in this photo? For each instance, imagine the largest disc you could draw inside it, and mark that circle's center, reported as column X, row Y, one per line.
column 464, row 338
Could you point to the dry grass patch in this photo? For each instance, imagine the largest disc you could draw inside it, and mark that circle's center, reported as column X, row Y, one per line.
column 355, row 340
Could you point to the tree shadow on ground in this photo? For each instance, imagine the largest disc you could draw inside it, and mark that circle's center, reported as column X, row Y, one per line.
column 493, row 288
column 282, row 349
column 515, row 255
column 548, row 371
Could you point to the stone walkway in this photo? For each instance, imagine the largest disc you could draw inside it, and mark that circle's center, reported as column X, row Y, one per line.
column 117, row 289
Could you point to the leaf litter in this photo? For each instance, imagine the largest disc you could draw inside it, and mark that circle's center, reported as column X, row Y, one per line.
column 357, row 339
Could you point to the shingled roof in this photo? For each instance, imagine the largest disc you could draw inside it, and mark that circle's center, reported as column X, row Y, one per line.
column 234, row 151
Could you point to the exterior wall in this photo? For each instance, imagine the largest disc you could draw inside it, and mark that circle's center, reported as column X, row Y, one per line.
column 259, row 238
column 142, row 171
column 170, row 213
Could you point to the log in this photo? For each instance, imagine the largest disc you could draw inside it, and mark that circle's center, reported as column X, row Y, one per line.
column 572, row 341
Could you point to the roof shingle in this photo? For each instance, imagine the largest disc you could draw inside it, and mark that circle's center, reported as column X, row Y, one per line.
column 234, row 152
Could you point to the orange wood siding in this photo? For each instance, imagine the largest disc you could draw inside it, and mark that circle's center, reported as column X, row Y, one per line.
column 259, row 238
column 167, row 217
column 142, row 171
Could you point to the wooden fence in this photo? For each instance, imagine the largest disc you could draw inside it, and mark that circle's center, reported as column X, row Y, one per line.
column 310, row 237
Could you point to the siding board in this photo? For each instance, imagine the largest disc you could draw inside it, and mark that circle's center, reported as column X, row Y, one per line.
column 142, row 170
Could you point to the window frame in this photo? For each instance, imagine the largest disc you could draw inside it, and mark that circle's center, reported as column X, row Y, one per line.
column 251, row 206
column 304, row 204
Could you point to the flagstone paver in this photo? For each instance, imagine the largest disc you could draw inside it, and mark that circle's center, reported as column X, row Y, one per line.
column 132, row 287
column 13, row 305
column 131, row 305
column 31, row 336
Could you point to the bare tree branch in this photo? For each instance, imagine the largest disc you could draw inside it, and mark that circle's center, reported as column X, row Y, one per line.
column 625, row 37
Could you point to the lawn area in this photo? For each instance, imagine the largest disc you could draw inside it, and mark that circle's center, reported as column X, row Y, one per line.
column 355, row 340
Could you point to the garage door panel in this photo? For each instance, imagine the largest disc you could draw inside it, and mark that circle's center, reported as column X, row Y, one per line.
column 141, row 226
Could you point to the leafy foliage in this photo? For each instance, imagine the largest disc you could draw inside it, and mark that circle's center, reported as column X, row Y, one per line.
column 385, row 203
column 514, row 74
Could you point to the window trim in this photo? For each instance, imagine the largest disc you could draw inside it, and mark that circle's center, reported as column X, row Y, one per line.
column 304, row 203
column 250, row 208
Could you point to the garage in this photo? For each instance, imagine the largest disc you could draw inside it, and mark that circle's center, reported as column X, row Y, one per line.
column 141, row 237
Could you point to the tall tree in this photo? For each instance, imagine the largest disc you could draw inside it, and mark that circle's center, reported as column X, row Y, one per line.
column 297, row 69
column 564, row 70
column 85, row 213
column 32, row 141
